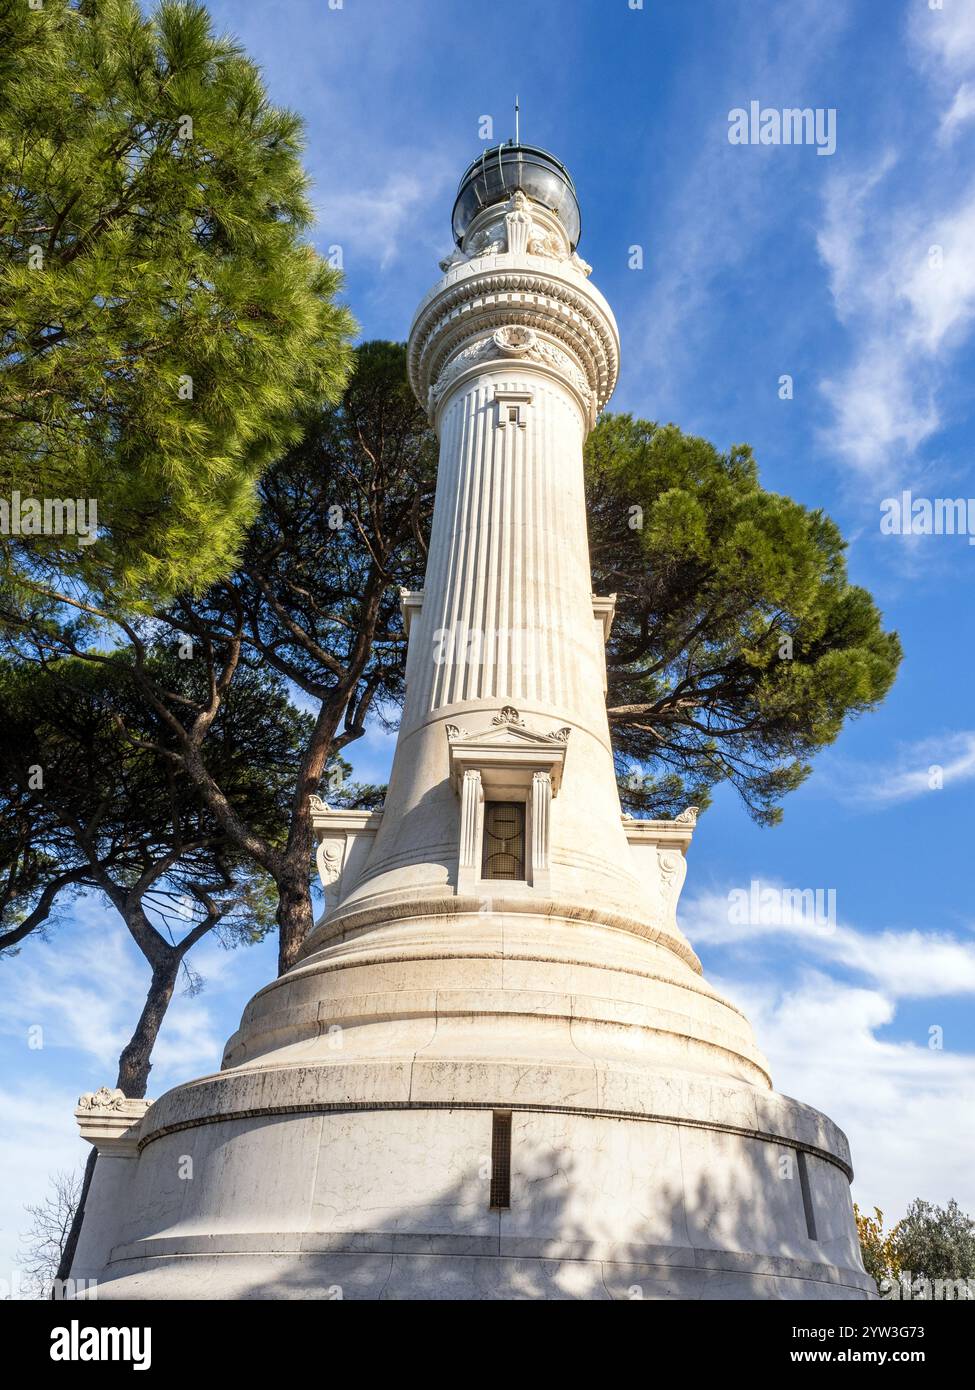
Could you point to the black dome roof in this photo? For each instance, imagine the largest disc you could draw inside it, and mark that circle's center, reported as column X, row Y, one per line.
column 494, row 176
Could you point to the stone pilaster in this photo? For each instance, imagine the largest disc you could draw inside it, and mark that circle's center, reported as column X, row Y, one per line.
column 471, row 798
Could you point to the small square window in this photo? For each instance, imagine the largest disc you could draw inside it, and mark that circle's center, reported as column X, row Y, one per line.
column 504, row 840
column 512, row 408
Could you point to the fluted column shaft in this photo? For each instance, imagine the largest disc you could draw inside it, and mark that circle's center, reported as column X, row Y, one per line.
column 507, row 609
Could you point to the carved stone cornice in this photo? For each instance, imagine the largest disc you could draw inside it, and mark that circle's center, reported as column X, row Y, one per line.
column 506, row 753
column 679, row 831
column 563, row 323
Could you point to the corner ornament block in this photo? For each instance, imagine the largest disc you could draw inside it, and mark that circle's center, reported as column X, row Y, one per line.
column 658, row 849
column 344, row 841
column 111, row 1121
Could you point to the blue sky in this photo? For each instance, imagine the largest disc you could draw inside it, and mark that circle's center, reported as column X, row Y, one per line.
column 758, row 261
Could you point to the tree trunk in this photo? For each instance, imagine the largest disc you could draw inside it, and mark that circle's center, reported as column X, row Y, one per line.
column 133, row 1079
column 134, row 1064
column 71, row 1244
column 294, row 917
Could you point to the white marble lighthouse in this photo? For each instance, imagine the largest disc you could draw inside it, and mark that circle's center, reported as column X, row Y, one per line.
column 497, row 1070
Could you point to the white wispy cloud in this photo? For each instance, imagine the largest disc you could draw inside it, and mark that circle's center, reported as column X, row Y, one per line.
column 907, row 1105
column 83, row 989
column 907, row 1108
column 40, row 1139
column 901, row 272
column 909, row 964
column 85, row 986
column 719, row 211
column 943, row 45
column 924, row 768
column 944, row 39
column 959, row 113
column 395, row 215
column 84, row 993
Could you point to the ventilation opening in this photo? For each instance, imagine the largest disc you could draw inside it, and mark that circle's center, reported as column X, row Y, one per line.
column 500, row 1160
column 504, row 840
column 807, row 1202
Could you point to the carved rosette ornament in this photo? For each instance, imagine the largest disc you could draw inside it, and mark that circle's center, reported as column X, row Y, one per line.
column 514, row 341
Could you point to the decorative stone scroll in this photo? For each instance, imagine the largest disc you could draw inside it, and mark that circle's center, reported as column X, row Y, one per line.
column 102, row 1099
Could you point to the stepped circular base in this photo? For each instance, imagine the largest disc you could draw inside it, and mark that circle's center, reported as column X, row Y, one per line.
column 500, row 1105
column 276, row 1273
column 735, row 1193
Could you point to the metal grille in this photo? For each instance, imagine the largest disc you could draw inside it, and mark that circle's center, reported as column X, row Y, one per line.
column 504, row 840
column 500, row 1159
